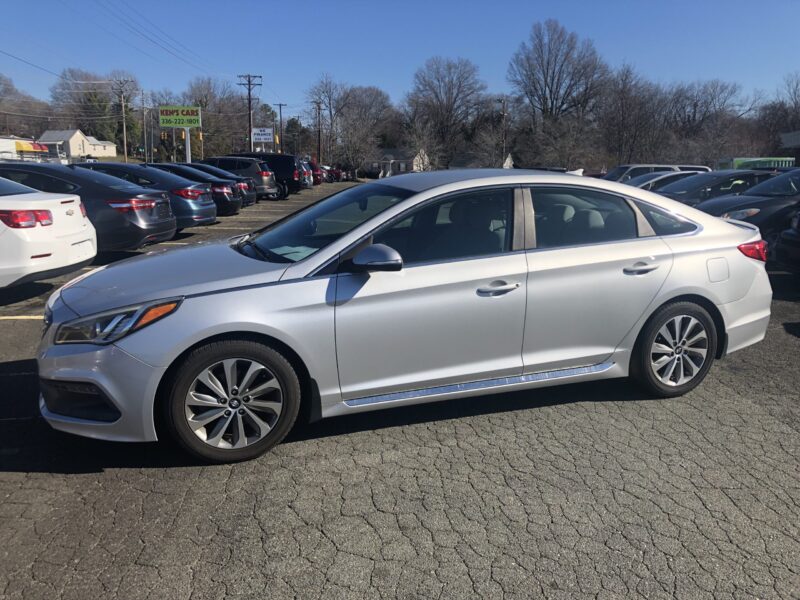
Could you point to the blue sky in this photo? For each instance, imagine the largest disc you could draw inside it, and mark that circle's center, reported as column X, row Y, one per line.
column 382, row 43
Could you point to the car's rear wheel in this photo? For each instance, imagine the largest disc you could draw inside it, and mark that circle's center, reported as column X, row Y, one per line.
column 283, row 191
column 675, row 349
column 232, row 400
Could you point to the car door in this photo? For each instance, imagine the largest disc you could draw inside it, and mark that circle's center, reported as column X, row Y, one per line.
column 453, row 314
column 595, row 268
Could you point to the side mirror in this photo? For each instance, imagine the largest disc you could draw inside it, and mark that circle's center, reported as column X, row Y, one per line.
column 377, row 257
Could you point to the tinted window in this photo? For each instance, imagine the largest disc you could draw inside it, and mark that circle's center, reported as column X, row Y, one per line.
column 615, row 173
column 468, row 225
column 787, row 184
column 321, row 224
column 664, row 223
column 41, row 182
column 102, row 179
column 635, row 172
column 8, row 188
column 126, row 175
column 573, row 216
column 661, row 183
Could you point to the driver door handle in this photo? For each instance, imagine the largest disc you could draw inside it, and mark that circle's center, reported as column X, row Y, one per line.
column 497, row 288
column 639, row 268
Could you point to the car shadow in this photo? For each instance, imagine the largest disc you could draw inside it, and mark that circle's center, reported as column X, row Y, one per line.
column 792, row 329
column 26, row 291
column 28, row 444
column 785, row 286
column 107, row 258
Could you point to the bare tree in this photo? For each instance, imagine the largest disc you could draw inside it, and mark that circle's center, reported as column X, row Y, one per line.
column 445, row 98
column 359, row 124
column 556, row 73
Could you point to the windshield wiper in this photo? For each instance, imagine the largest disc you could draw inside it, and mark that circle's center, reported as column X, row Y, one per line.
column 264, row 255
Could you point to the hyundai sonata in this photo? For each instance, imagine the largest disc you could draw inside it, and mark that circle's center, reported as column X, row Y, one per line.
column 416, row 288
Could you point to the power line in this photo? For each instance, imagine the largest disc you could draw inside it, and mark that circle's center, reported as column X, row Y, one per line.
column 138, row 31
column 35, row 66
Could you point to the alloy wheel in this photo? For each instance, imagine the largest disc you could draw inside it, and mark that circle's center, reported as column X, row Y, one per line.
column 679, row 350
column 233, row 403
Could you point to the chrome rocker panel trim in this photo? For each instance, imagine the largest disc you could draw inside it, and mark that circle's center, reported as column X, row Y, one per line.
column 480, row 385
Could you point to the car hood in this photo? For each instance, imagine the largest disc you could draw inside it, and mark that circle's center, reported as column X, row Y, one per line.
column 723, row 204
column 161, row 274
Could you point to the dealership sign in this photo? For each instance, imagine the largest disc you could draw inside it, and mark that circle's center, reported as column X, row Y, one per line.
column 262, row 135
column 179, row 116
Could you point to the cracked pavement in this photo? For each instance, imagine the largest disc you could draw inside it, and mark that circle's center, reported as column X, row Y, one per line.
column 581, row 491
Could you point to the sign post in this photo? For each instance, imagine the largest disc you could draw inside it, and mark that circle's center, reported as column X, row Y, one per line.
column 185, row 117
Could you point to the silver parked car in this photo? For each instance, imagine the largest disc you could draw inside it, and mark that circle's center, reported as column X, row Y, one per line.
column 419, row 288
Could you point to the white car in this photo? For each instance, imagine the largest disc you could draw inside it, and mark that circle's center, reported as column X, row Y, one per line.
column 41, row 235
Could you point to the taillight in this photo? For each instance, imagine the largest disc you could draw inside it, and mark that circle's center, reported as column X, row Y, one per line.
column 221, row 189
column 756, row 250
column 45, row 217
column 132, row 204
column 188, row 193
column 264, row 173
column 83, row 209
column 296, row 175
column 241, row 185
column 25, row 219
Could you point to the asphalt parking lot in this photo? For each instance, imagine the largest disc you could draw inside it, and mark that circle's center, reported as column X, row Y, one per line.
column 582, row 491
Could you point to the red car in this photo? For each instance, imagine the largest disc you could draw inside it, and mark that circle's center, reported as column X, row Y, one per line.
column 316, row 173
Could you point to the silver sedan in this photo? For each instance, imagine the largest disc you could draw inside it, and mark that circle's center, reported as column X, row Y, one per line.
column 418, row 288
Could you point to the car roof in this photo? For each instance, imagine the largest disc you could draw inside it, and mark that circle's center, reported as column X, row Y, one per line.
column 419, row 182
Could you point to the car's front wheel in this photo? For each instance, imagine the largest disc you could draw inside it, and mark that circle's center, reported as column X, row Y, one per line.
column 232, row 400
column 675, row 349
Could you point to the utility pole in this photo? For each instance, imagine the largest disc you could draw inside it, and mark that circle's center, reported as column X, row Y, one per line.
column 120, row 85
column 250, row 82
column 318, row 104
column 144, row 128
column 280, row 106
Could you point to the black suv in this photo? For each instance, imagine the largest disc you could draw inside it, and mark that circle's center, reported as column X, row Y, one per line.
column 286, row 169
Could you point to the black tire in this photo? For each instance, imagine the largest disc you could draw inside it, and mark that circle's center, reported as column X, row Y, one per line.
column 640, row 367
column 283, row 191
column 205, row 356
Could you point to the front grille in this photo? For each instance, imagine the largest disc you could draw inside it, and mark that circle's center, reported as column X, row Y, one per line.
column 78, row 399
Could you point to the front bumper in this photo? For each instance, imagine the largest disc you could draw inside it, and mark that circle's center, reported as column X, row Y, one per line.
column 126, row 384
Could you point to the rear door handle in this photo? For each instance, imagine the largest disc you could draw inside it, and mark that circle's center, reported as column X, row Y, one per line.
column 639, row 268
column 497, row 288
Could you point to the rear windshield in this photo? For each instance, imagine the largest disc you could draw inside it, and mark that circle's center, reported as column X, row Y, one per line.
column 102, row 179
column 691, row 183
column 10, row 188
column 214, row 171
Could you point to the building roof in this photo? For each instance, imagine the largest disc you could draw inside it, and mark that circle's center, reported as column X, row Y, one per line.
column 94, row 140
column 58, row 135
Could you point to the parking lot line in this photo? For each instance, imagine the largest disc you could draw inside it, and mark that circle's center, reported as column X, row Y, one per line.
column 174, row 243
column 22, row 318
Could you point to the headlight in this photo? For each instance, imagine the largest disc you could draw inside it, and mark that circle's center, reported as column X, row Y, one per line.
column 741, row 214
column 108, row 327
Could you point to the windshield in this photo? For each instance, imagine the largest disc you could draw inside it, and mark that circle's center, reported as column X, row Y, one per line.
column 691, row 183
column 10, row 188
column 787, row 184
column 305, row 233
column 615, row 173
column 641, row 179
